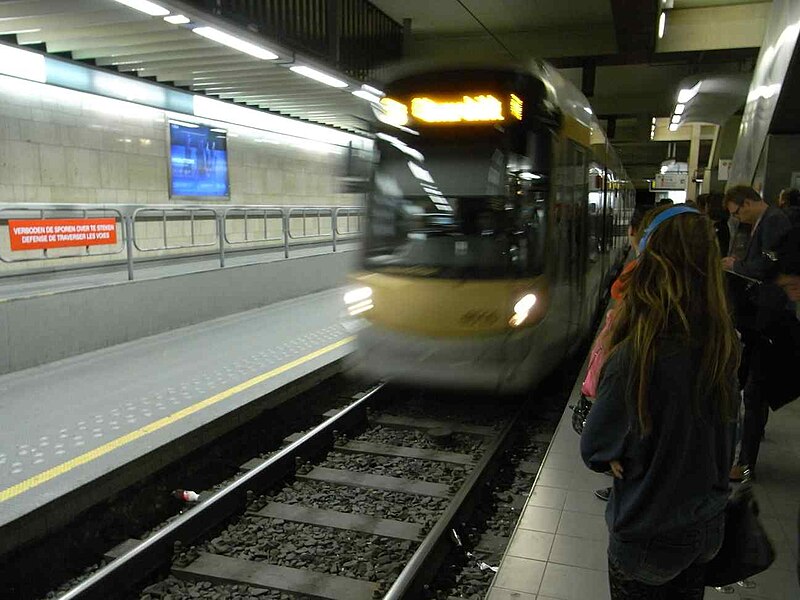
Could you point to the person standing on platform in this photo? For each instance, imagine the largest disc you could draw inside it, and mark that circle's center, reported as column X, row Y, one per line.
column 665, row 412
column 589, row 387
column 763, row 308
column 789, row 202
column 789, row 279
column 712, row 206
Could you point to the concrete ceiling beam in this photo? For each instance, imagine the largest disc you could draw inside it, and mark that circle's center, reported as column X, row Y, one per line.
column 715, row 27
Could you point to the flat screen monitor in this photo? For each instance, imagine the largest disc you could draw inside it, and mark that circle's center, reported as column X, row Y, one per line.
column 198, row 160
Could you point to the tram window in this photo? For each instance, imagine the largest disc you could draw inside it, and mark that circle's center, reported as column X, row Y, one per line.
column 476, row 237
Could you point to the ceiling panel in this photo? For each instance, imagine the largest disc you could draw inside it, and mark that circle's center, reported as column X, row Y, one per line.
column 110, row 34
column 448, row 16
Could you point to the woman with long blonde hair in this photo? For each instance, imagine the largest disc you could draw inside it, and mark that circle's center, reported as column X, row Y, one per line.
column 664, row 416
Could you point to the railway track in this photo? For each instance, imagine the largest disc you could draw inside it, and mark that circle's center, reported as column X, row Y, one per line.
column 365, row 505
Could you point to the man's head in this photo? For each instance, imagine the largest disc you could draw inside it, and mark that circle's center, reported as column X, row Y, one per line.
column 744, row 203
column 789, row 197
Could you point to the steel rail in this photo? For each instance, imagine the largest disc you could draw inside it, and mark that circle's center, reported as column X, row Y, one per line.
column 157, row 550
column 427, row 559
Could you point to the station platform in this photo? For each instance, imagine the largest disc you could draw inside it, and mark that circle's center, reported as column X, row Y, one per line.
column 558, row 549
column 43, row 282
column 79, row 429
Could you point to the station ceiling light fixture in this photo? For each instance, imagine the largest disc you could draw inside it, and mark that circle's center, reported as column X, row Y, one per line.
column 177, row 19
column 145, row 6
column 319, row 76
column 652, row 128
column 234, row 42
column 372, row 90
column 662, row 24
column 686, row 94
column 367, row 96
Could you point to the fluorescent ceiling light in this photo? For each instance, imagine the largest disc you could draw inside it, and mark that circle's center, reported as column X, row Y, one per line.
column 372, row 90
column 319, row 76
column 673, row 126
column 150, row 8
column 676, row 118
column 685, row 95
column 22, row 63
column 367, row 96
column 662, row 24
column 679, row 108
column 177, row 19
column 653, row 120
column 18, row 31
column 235, row 43
column 420, row 173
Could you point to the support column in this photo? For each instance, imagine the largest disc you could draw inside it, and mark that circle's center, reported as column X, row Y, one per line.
column 713, row 159
column 694, row 155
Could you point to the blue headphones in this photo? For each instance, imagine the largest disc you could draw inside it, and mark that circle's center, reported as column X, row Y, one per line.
column 664, row 216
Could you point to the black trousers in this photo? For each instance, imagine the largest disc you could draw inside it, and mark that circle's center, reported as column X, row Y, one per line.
column 756, row 404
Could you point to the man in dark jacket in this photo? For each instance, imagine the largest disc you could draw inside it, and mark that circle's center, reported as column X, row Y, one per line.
column 769, row 307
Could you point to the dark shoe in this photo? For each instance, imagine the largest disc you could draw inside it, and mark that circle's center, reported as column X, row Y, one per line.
column 740, row 473
column 604, row 494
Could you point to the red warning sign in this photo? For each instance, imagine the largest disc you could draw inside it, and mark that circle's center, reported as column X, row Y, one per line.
column 40, row 234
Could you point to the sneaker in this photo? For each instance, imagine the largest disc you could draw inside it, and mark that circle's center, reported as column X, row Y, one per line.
column 741, row 473
column 603, row 494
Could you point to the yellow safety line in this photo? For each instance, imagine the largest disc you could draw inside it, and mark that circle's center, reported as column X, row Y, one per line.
column 45, row 476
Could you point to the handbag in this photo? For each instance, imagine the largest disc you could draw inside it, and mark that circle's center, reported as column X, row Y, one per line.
column 592, row 379
column 746, row 549
column 579, row 413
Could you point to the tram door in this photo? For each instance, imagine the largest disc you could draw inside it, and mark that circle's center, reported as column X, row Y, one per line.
column 571, row 188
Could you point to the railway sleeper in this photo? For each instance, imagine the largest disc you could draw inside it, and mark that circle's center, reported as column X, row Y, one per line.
column 399, row 422
column 342, row 520
column 223, row 569
column 379, row 482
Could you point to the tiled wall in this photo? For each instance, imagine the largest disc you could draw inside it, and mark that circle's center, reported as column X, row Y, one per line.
column 57, row 145
column 61, row 146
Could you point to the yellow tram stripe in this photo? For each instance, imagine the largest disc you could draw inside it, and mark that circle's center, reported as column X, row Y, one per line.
column 36, row 480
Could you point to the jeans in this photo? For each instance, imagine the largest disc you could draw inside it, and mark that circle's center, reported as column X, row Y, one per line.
column 669, row 566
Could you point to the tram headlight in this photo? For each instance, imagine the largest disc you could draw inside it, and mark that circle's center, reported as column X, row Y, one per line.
column 358, row 300
column 522, row 309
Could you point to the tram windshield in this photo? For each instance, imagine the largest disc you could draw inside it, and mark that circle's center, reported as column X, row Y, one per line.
column 462, row 237
column 458, row 208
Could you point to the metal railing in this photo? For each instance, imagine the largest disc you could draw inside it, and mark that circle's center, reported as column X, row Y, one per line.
column 172, row 230
column 42, row 212
column 165, row 215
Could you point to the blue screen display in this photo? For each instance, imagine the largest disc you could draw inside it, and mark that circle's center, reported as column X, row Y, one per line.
column 198, row 160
